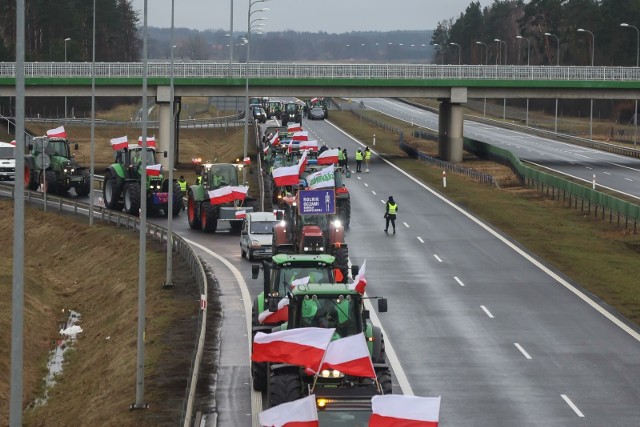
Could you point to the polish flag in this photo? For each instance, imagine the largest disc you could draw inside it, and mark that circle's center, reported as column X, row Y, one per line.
column 151, row 141
column 300, row 282
column 239, row 192
column 281, row 315
column 301, row 136
column 275, row 140
column 58, row 132
column 359, row 282
column 350, row 356
column 119, row 143
column 302, row 163
column 265, row 150
column 309, row 145
column 221, row 195
column 247, row 160
column 313, row 100
column 328, row 157
column 241, row 214
column 396, row 410
column 299, row 413
column 294, row 127
column 302, row 346
column 154, row 170
column 286, row 175
column 13, row 142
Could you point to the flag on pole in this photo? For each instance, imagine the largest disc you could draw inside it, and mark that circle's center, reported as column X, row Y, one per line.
column 299, row 413
column 360, row 282
column 322, row 179
column 247, row 160
column 275, row 140
column 328, row 157
column 239, row 192
column 294, row 127
column 309, row 145
column 151, row 141
column 302, row 163
column 58, row 132
column 154, row 170
column 396, row 410
column 241, row 214
column 119, row 143
column 350, row 356
column 301, row 346
column 286, row 175
column 265, row 150
column 221, row 195
column 301, row 136
column 280, row 315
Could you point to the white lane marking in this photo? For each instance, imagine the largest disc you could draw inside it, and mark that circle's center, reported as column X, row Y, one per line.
column 522, row 350
column 628, row 179
column 383, row 201
column 360, row 178
column 606, row 173
column 589, row 167
column 405, row 224
column 572, row 405
column 374, row 193
column 486, row 311
column 459, row 281
column 437, row 258
column 365, row 184
column 420, row 238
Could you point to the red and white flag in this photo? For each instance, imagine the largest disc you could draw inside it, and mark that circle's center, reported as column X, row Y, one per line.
column 58, row 132
column 151, row 141
column 119, row 143
column 286, row 175
column 154, row 170
column 239, row 192
column 350, row 356
column 281, row 315
column 309, row 145
column 302, row 163
column 13, row 142
column 360, row 282
column 328, row 157
column 294, row 127
column 241, row 214
column 313, row 100
column 301, row 346
column 265, row 150
column 301, row 281
column 299, row 413
column 300, row 136
column 324, row 178
column 221, row 195
column 247, row 160
column 290, row 147
column 275, row 140
column 397, row 410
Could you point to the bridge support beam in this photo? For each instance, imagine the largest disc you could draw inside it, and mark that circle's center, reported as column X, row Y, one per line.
column 450, row 126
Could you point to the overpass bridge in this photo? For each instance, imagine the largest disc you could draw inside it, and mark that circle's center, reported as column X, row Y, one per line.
column 452, row 85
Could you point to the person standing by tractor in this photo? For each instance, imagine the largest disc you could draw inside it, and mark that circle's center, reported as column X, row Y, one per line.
column 359, row 159
column 390, row 214
column 183, row 188
column 367, row 159
column 340, row 158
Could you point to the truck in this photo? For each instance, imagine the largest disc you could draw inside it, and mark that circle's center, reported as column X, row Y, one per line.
column 332, row 305
column 51, row 164
column 7, row 161
column 202, row 215
column 122, row 184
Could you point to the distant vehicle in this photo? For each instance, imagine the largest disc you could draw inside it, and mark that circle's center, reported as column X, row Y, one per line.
column 256, row 235
column 259, row 114
column 7, row 161
column 316, row 113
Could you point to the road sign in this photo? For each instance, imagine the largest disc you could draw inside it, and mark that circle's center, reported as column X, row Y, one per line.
column 314, row 202
column 43, row 161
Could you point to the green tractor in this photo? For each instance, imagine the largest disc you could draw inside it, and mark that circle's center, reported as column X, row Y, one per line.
column 278, row 275
column 202, row 214
column 122, row 189
column 291, row 113
column 51, row 164
column 331, row 305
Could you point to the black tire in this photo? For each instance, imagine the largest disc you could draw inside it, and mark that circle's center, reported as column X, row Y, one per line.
column 192, row 212
column 342, row 262
column 208, row 217
column 236, row 226
column 177, row 199
column 243, row 254
column 345, row 212
column 48, row 178
column 111, row 193
column 84, row 188
column 30, row 178
column 384, row 379
column 259, row 376
column 250, row 256
column 285, row 387
column 132, row 198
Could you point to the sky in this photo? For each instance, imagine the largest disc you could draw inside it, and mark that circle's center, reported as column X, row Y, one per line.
column 331, row 16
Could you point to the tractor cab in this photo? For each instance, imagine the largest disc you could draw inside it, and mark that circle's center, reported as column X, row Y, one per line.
column 217, row 175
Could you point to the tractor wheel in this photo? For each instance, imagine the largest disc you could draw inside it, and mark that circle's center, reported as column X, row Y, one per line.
column 30, row 179
column 132, row 198
column 345, row 212
column 111, row 193
column 384, row 378
column 285, row 387
column 259, row 376
column 84, row 188
column 208, row 217
column 192, row 212
column 48, row 182
column 236, row 226
column 177, row 199
column 342, row 262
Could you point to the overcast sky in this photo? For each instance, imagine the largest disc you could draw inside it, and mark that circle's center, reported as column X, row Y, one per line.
column 332, row 16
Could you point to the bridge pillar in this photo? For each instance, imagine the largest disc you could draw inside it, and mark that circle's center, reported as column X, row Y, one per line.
column 165, row 121
column 450, row 125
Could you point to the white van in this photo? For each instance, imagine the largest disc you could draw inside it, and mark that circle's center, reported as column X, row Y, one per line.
column 256, row 235
column 7, row 161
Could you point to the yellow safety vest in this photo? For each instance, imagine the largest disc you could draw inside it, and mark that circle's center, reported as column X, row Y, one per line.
column 392, row 208
column 367, row 154
column 198, row 180
column 340, row 155
column 183, row 185
column 358, row 155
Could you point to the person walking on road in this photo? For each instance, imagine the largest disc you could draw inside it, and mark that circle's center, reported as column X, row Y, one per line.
column 390, row 214
column 183, row 189
column 367, row 159
column 346, row 159
column 359, row 158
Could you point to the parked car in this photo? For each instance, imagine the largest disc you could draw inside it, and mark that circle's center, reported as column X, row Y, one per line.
column 259, row 115
column 316, row 113
column 257, row 234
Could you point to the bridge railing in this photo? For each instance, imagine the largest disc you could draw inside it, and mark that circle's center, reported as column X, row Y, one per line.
column 209, row 69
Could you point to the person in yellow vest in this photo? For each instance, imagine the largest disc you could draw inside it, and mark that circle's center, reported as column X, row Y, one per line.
column 340, row 158
column 390, row 214
column 198, row 179
column 359, row 159
column 183, row 188
column 367, row 159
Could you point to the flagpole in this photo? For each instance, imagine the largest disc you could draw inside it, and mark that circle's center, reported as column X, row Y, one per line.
column 315, row 377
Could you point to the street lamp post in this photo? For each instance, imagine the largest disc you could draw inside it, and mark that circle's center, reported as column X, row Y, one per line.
column 169, row 276
column 246, row 87
column 65, row 60
column 593, row 54
column 528, row 56
column 555, row 125
column 635, row 111
column 456, row 44
column 441, row 55
column 230, row 37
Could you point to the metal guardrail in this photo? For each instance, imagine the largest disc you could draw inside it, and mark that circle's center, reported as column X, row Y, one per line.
column 209, row 69
column 158, row 233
